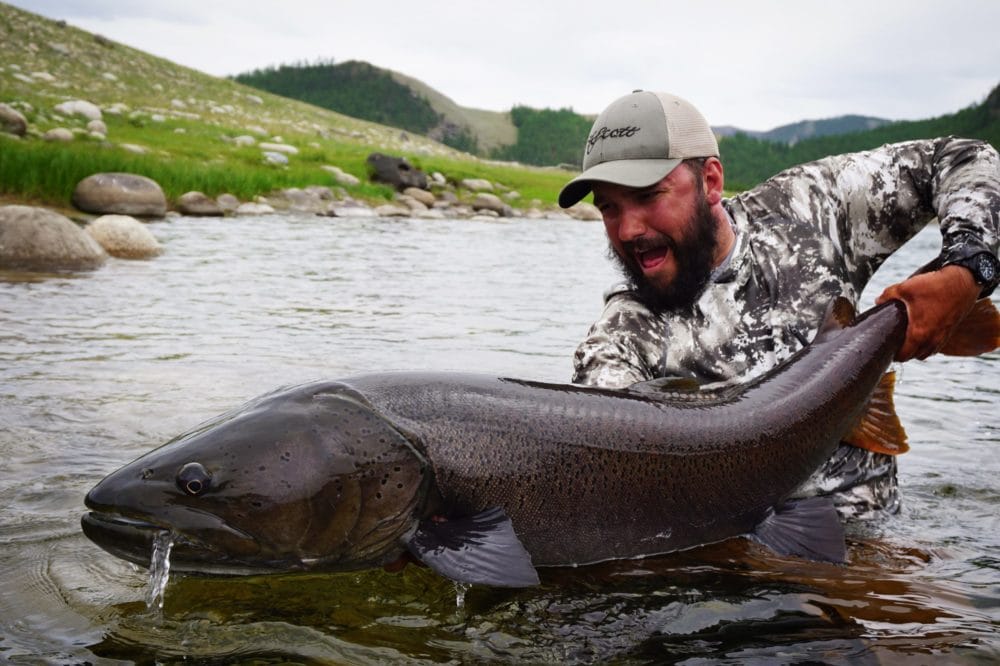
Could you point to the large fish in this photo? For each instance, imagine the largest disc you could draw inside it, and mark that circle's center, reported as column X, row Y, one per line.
column 484, row 479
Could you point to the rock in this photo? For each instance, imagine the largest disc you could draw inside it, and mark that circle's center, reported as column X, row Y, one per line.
column 124, row 236
column 58, row 134
column 244, row 140
column 79, row 107
column 197, row 204
column 411, row 203
column 423, row 196
column 120, row 193
column 254, row 209
column 227, row 202
column 477, row 185
column 349, row 209
column 395, row 171
column 12, row 121
column 134, row 148
column 392, row 210
column 342, row 177
column 271, row 157
column 491, row 202
column 36, row 239
column 584, row 211
column 279, row 148
column 97, row 126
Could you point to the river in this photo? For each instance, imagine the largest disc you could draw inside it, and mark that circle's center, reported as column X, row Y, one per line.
column 98, row 368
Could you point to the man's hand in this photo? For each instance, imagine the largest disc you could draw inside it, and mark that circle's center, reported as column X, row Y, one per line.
column 936, row 302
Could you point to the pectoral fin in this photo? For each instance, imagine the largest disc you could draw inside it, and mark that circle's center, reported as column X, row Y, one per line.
column 807, row 528
column 478, row 549
column 879, row 429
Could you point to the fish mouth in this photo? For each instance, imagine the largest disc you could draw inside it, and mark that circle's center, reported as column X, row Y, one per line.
column 127, row 538
column 131, row 539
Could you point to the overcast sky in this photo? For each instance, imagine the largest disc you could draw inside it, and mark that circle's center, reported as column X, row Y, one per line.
column 753, row 64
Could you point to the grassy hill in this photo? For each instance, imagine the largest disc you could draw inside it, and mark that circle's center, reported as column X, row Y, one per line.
column 179, row 126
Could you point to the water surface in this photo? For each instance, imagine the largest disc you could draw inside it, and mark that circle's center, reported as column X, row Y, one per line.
column 98, row 368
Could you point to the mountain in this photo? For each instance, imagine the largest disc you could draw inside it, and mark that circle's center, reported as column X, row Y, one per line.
column 750, row 160
column 807, row 129
column 547, row 137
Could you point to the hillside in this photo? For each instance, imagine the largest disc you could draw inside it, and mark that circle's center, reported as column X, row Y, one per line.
column 189, row 130
column 749, row 160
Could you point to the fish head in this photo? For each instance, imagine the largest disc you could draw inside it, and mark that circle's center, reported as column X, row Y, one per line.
column 310, row 477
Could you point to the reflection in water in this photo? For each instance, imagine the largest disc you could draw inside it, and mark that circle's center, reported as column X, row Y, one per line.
column 96, row 369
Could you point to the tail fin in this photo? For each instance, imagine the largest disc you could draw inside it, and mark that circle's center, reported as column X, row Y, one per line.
column 977, row 334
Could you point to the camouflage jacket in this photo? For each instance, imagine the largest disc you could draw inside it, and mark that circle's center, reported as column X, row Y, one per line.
column 808, row 234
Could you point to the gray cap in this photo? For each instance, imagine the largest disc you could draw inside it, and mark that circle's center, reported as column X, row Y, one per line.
column 638, row 140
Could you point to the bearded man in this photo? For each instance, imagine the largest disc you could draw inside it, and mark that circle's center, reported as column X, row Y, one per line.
column 722, row 290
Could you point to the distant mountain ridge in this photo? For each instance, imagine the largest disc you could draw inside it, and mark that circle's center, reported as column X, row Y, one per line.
column 547, row 137
column 808, row 129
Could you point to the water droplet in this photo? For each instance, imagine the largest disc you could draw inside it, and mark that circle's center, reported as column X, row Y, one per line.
column 460, row 590
column 159, row 570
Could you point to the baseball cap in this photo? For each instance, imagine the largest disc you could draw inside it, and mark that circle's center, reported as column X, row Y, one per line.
column 638, row 140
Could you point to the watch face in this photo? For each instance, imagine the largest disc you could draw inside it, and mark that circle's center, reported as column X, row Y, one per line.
column 986, row 266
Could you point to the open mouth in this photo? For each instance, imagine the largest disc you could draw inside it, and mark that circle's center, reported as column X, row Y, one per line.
column 651, row 258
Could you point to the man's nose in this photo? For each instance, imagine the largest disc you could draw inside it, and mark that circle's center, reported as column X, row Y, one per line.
column 631, row 224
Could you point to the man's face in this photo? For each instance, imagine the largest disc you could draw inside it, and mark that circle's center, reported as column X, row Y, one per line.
column 662, row 236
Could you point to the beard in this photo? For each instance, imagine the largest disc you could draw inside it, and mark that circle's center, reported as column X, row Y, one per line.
column 694, row 257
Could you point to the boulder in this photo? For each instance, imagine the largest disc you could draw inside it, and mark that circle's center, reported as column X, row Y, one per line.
column 123, row 236
column 36, row 239
column 98, row 126
column 423, row 196
column 253, row 208
column 120, row 193
column 491, row 202
column 341, row 176
column 271, row 157
column 12, row 121
column 199, row 204
column 584, row 211
column 477, row 184
column 79, row 107
column 58, row 134
column 395, row 171
column 278, row 148
column 227, row 202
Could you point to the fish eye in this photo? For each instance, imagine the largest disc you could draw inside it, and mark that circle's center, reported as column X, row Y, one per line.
column 193, row 479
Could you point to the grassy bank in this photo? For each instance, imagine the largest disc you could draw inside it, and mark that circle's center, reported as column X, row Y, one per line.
column 185, row 123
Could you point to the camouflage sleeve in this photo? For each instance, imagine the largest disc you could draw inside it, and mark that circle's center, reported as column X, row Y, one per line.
column 624, row 346
column 870, row 203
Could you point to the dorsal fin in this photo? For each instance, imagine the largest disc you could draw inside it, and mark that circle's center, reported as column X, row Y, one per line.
column 879, row 429
column 978, row 332
column 839, row 314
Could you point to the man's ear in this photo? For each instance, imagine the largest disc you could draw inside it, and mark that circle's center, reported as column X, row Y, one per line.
column 712, row 180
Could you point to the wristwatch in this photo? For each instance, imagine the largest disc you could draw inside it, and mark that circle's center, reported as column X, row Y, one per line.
column 985, row 270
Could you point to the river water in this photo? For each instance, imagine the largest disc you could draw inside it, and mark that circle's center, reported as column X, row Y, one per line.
column 98, row 368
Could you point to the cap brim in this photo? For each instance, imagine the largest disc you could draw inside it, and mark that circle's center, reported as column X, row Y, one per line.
column 630, row 173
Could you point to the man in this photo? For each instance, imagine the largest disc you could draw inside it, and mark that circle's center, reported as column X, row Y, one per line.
column 722, row 290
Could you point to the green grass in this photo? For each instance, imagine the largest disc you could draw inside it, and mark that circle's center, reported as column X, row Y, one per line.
column 188, row 149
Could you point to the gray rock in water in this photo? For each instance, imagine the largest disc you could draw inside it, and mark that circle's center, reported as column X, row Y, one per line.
column 36, row 239
column 199, row 204
column 12, row 121
column 227, row 202
column 123, row 236
column 120, row 193
column 491, row 202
